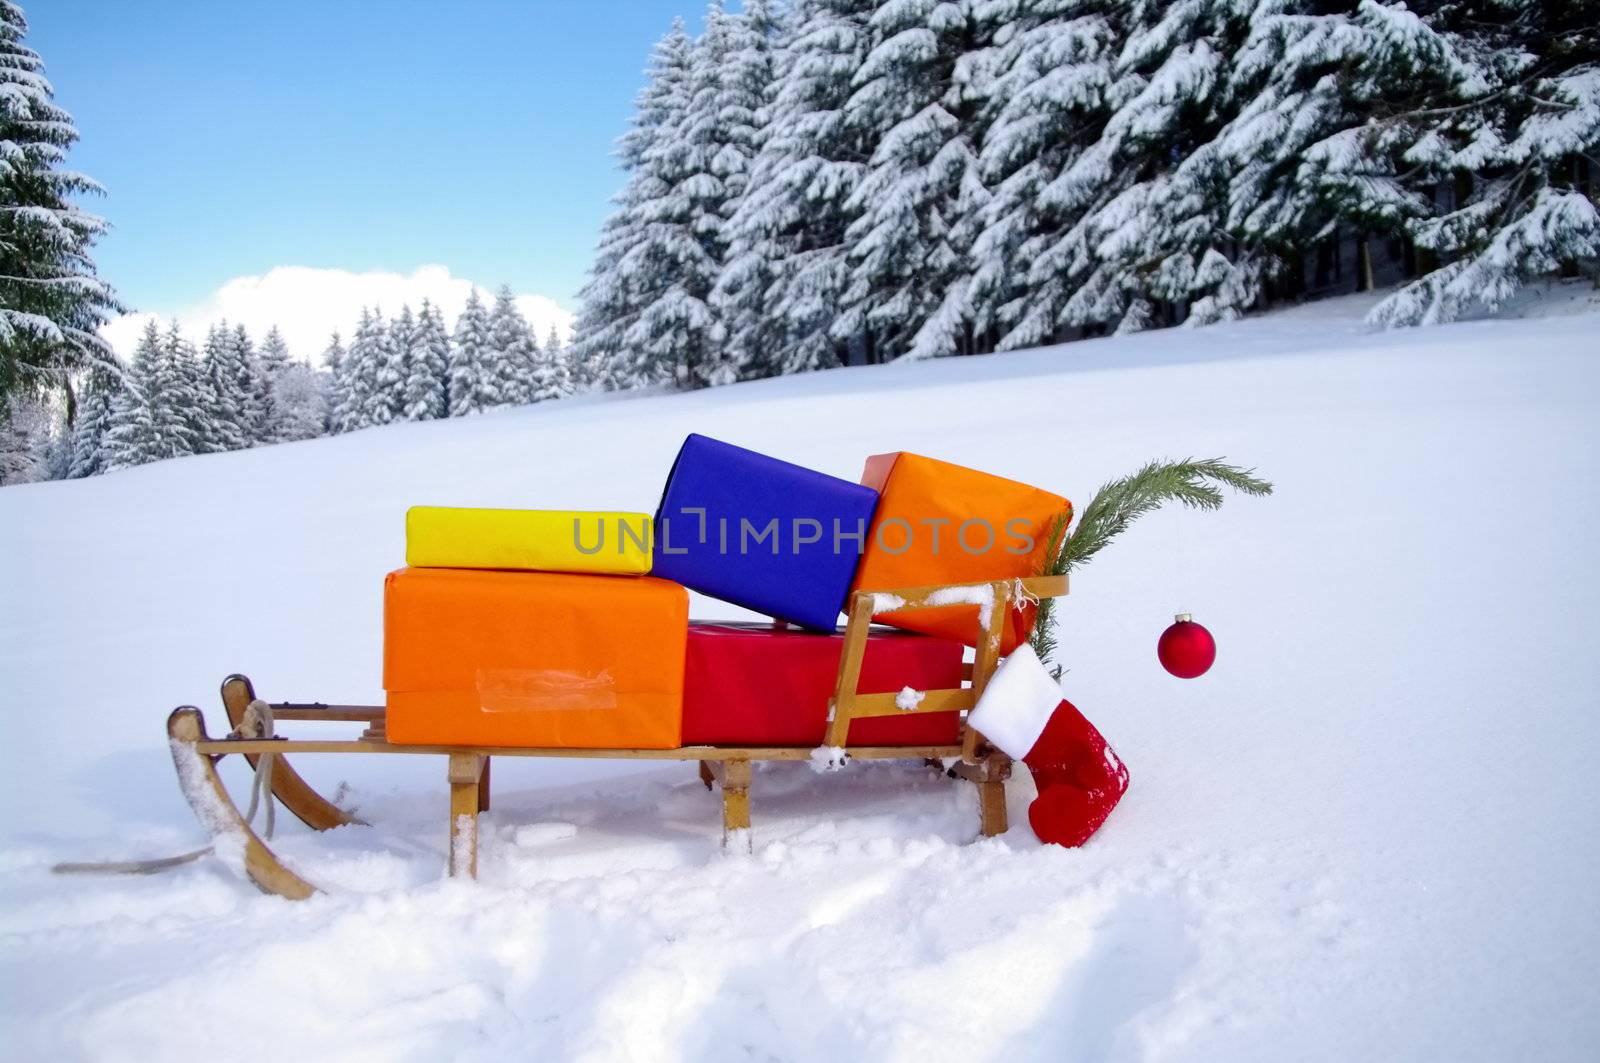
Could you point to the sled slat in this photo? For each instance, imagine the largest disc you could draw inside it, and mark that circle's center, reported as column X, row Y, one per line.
column 917, row 597
column 932, row 701
column 255, row 747
column 290, row 710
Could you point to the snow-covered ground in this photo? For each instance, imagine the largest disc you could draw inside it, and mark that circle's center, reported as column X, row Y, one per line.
column 1372, row 831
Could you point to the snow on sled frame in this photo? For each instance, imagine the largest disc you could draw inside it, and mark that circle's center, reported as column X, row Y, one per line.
column 195, row 754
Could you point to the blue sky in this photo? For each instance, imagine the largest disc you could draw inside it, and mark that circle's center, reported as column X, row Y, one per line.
column 234, row 136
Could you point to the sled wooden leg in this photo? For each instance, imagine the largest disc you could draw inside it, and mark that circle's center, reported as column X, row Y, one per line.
column 465, row 773
column 314, row 810
column 483, row 787
column 197, row 775
column 736, row 803
column 989, row 773
column 707, row 776
column 992, row 807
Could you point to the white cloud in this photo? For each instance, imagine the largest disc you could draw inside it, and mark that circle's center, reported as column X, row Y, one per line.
column 307, row 304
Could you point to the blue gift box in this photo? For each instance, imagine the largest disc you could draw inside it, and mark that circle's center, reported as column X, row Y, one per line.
column 762, row 533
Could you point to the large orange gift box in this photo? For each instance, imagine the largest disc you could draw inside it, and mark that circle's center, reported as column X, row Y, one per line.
column 942, row 523
column 492, row 658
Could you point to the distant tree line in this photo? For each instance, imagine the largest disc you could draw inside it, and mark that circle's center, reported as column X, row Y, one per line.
column 173, row 400
column 836, row 181
column 412, row 369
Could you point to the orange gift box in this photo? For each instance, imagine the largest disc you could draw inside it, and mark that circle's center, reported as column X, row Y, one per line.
column 540, row 659
column 942, row 523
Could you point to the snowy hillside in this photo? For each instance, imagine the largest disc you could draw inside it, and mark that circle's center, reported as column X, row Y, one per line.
column 1369, row 832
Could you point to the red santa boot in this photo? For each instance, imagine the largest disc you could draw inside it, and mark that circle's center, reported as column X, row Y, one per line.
column 1080, row 779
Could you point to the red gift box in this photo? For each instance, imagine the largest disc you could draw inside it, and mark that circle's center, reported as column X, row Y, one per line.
column 758, row 685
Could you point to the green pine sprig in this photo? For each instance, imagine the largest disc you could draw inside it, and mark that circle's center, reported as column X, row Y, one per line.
column 1196, row 484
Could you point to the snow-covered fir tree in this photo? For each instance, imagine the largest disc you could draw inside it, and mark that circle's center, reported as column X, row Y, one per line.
column 678, row 331
column 629, row 264
column 184, row 390
column 274, row 352
column 300, row 401
column 273, row 361
column 252, row 385
column 335, row 359
column 91, row 429
column 473, row 377
column 214, row 428
column 31, row 448
column 754, row 37
column 551, row 375
column 788, row 268
column 360, row 373
column 1233, row 217
column 1509, row 150
column 704, row 165
column 1283, row 169
column 752, row 70
column 51, row 301
column 1044, row 84
column 382, row 366
column 148, row 421
column 437, row 338
column 403, row 334
column 573, row 373
column 1171, row 95
column 426, row 359
column 192, row 397
column 917, row 203
column 228, row 390
column 291, row 398
column 514, row 352
column 402, row 330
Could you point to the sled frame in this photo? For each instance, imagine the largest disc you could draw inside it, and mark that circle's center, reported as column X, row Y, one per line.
column 195, row 753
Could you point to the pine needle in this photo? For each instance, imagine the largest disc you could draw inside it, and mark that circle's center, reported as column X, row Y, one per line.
column 1194, row 483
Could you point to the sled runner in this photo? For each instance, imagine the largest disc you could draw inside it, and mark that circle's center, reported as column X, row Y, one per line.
column 195, row 753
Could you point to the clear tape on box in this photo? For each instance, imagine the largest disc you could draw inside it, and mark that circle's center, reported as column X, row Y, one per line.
column 546, row 690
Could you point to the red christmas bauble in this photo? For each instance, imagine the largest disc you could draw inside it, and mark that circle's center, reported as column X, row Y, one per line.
column 1186, row 649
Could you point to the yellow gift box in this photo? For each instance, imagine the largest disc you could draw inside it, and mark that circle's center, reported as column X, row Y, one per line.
column 541, row 540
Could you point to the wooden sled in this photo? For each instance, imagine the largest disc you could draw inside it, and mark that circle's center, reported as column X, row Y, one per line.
column 467, row 768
